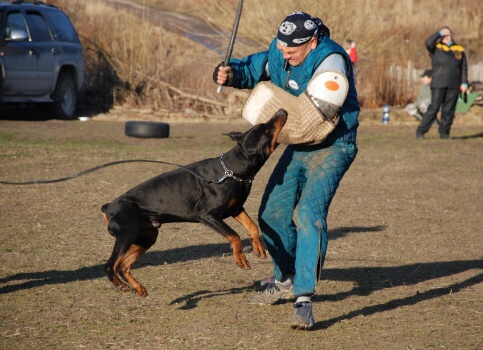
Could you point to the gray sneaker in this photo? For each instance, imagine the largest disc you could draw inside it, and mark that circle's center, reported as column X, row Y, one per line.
column 302, row 316
column 267, row 280
column 273, row 293
column 270, row 279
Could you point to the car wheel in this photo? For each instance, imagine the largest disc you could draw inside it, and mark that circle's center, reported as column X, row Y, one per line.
column 147, row 129
column 65, row 97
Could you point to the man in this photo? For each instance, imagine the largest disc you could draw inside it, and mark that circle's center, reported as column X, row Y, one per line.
column 306, row 176
column 450, row 76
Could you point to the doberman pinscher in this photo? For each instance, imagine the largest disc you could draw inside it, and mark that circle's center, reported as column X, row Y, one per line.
column 189, row 194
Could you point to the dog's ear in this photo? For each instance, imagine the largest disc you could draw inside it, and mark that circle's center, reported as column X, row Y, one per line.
column 235, row 136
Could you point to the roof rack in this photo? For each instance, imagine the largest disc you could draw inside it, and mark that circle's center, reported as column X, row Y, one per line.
column 35, row 2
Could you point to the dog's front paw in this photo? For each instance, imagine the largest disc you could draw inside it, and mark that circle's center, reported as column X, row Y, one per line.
column 242, row 261
column 142, row 292
column 122, row 287
column 258, row 249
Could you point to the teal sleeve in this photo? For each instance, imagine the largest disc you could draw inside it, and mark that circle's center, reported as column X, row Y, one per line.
column 249, row 71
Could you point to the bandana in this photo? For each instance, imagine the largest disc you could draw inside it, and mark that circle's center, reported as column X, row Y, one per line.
column 297, row 29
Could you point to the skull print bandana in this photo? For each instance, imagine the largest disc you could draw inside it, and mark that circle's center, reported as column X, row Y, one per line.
column 297, row 29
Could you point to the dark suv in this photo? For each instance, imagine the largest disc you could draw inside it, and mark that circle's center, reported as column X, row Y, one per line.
column 41, row 58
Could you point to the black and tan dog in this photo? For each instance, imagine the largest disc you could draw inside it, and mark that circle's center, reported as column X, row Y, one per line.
column 191, row 195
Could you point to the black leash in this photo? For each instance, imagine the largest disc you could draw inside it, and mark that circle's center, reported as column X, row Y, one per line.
column 228, row 173
column 32, row 182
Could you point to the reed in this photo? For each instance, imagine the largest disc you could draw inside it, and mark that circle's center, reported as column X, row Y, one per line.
column 132, row 60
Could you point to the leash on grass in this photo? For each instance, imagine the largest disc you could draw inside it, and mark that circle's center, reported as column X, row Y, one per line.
column 227, row 174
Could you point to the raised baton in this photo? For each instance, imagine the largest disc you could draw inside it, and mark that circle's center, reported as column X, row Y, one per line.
column 229, row 50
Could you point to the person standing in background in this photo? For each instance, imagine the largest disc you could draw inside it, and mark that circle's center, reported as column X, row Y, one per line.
column 350, row 48
column 449, row 77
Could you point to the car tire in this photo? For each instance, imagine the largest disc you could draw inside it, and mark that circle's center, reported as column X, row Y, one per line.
column 146, row 129
column 65, row 97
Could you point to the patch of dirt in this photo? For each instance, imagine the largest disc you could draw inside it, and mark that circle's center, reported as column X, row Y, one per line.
column 404, row 267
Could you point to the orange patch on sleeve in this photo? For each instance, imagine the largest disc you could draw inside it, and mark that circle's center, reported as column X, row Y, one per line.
column 332, row 85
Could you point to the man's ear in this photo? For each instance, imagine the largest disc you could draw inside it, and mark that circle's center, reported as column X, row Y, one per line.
column 235, row 136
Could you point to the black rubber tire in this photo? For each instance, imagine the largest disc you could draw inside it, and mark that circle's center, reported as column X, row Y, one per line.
column 65, row 97
column 146, row 129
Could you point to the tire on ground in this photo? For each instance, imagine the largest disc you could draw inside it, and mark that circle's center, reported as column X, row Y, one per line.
column 146, row 129
column 65, row 97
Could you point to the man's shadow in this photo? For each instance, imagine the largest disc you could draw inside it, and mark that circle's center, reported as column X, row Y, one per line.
column 372, row 279
column 469, row 136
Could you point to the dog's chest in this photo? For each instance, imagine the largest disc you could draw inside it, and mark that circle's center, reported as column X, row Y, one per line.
column 235, row 197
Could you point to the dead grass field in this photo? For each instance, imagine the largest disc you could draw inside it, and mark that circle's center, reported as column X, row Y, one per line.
column 404, row 267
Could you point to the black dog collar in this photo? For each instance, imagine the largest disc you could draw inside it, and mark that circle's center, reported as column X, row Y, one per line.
column 229, row 173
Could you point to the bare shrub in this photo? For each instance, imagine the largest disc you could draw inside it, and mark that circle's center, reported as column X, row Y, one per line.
column 132, row 60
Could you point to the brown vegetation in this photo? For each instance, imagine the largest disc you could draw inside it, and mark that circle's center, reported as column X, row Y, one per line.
column 133, row 60
column 403, row 270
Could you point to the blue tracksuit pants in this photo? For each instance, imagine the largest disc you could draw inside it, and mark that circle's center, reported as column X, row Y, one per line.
column 305, row 177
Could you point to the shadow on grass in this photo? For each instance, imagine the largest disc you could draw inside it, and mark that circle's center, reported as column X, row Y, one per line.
column 154, row 258
column 25, row 112
column 367, row 280
column 416, row 298
column 480, row 135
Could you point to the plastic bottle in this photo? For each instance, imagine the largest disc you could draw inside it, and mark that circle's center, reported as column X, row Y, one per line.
column 385, row 114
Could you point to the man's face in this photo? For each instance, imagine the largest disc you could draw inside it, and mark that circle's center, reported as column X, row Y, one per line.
column 446, row 35
column 296, row 55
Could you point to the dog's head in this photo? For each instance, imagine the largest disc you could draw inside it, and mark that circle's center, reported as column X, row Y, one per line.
column 260, row 141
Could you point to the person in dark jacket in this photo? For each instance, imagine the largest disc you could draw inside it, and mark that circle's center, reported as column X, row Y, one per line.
column 450, row 76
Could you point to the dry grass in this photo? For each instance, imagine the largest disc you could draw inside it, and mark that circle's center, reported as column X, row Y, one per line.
column 132, row 60
column 403, row 270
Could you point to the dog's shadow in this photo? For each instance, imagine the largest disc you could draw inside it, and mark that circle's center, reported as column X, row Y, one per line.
column 196, row 252
column 154, row 258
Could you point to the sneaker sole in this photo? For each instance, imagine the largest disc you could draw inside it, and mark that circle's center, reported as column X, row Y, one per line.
column 285, row 296
column 301, row 327
column 254, row 302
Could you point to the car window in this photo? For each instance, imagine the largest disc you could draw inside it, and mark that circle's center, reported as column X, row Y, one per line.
column 39, row 31
column 63, row 27
column 1, row 22
column 14, row 21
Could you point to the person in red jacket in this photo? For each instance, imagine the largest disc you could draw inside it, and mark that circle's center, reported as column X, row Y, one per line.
column 350, row 48
column 450, row 77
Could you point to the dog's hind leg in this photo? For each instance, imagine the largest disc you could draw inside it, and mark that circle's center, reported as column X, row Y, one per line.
column 247, row 222
column 226, row 231
column 113, row 264
column 124, row 225
column 144, row 241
